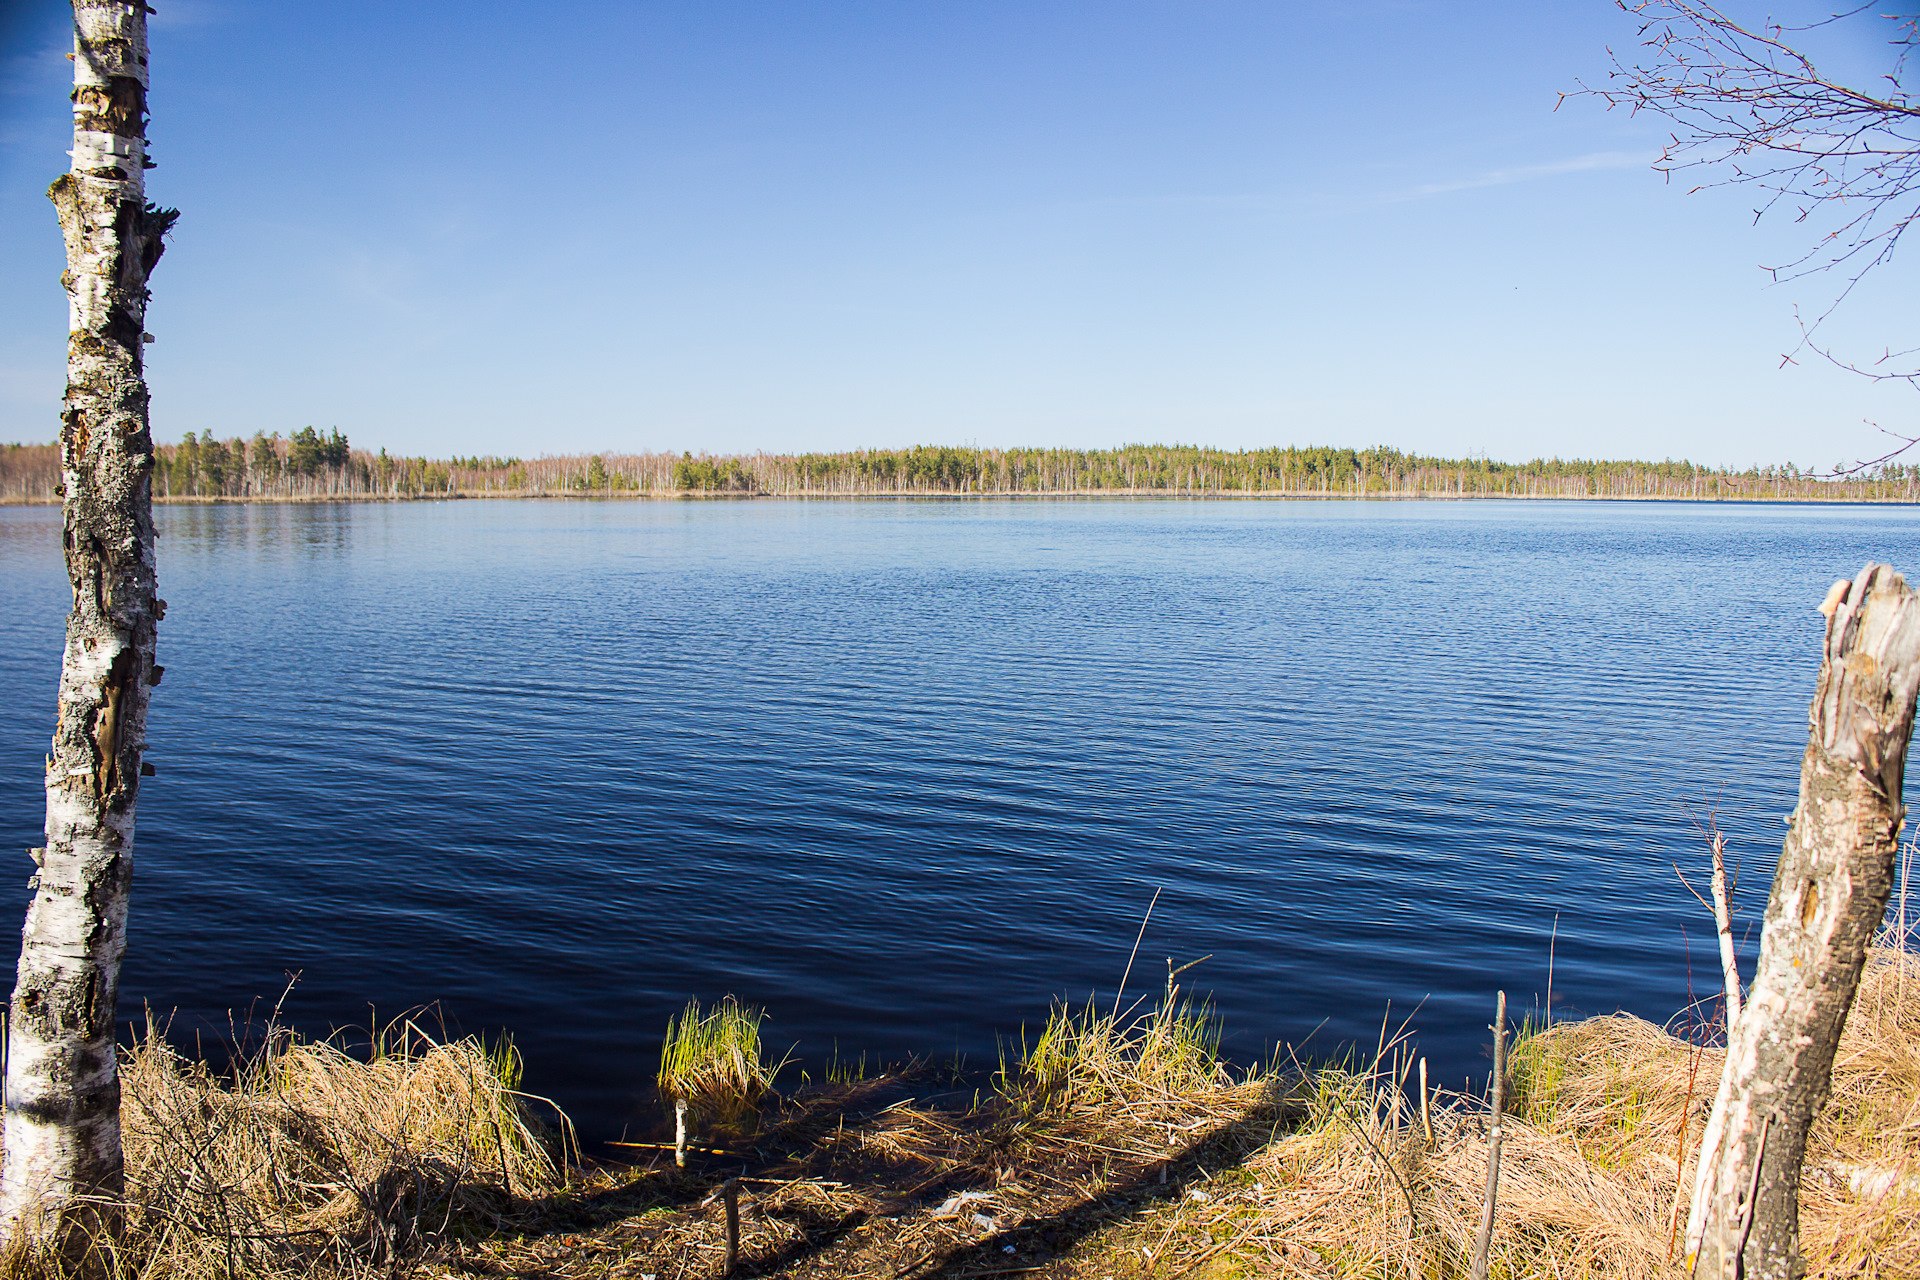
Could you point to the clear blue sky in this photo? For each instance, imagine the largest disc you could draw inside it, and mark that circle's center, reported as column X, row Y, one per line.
column 800, row 224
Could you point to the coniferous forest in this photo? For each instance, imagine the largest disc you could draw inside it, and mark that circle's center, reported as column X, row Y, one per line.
column 310, row 465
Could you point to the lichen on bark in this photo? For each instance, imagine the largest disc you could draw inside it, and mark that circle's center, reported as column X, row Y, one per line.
column 62, row 1172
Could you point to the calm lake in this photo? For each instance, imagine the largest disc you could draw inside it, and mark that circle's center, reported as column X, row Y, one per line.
column 904, row 772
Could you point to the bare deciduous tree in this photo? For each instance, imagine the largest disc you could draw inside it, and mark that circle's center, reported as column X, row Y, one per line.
column 63, row 1171
column 1749, row 107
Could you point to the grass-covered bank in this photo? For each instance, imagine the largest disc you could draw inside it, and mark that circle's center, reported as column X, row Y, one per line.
column 1107, row 1144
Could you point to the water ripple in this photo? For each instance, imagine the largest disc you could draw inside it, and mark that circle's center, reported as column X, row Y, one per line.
column 904, row 772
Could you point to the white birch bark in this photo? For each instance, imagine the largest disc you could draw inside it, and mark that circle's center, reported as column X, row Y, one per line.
column 1723, row 926
column 62, row 1171
column 1829, row 897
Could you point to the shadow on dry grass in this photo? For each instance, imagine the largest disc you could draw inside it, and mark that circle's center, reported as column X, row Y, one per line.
column 1112, row 1148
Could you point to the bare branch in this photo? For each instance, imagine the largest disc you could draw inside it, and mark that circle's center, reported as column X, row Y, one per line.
column 1871, row 466
column 1748, row 106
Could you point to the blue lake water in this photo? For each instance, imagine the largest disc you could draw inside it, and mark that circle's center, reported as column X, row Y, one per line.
column 903, row 772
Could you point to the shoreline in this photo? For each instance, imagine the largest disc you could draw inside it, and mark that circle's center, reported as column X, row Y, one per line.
column 1047, row 495
column 1107, row 1150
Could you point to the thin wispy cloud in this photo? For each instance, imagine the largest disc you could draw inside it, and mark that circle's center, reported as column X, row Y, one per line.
column 1514, row 174
column 1307, row 200
column 30, row 72
column 35, row 124
column 189, row 13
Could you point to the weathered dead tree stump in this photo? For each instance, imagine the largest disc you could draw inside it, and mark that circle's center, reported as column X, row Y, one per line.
column 1829, row 897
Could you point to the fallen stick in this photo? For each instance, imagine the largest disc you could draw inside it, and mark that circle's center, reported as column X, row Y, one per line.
column 673, row 1146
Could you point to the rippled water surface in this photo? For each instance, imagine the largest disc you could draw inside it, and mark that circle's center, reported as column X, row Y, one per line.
column 902, row 772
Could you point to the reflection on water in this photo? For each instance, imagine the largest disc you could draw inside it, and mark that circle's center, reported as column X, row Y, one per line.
column 261, row 530
column 904, row 771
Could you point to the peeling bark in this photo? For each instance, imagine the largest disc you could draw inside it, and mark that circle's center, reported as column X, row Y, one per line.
column 62, row 1168
column 1829, row 896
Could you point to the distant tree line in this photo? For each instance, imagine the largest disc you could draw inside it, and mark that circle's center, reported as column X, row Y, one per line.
column 312, row 465
column 305, row 465
column 29, row 472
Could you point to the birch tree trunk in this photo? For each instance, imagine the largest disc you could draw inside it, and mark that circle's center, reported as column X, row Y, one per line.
column 62, row 1169
column 1829, row 896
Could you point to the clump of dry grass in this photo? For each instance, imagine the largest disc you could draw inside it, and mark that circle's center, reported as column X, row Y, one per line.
column 306, row 1159
column 714, row 1060
column 1602, row 1137
column 1633, row 1099
column 1356, row 1189
column 1087, row 1057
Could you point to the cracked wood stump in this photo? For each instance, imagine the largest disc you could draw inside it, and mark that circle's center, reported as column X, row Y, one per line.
column 1829, row 897
column 63, row 1172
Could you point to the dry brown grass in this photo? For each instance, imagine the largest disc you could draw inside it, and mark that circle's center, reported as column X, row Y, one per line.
column 1120, row 1149
column 1168, row 1051
column 1600, row 1141
column 308, row 1160
column 1090, row 1058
